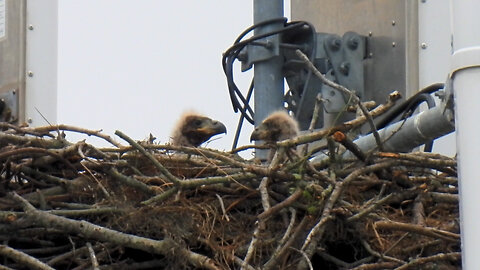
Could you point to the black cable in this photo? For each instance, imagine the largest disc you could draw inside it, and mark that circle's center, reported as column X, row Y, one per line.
column 232, row 53
column 401, row 108
column 242, row 117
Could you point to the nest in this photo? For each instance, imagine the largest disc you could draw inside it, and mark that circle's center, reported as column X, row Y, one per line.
column 147, row 206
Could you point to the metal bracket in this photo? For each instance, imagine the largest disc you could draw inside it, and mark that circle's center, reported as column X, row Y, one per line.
column 9, row 106
column 261, row 50
column 346, row 55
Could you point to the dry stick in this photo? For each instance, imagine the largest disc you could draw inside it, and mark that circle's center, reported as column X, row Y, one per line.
column 93, row 258
column 155, row 162
column 316, row 233
column 366, row 245
column 340, row 137
column 277, row 158
column 23, row 259
column 276, row 208
column 74, row 252
column 390, row 198
column 193, row 183
column 132, row 182
column 315, row 115
column 22, row 130
column 427, row 231
column 419, row 211
column 27, row 151
column 310, row 266
column 376, row 266
column 444, row 197
column 99, row 233
column 420, row 158
column 264, row 194
column 86, row 212
column 272, row 263
column 222, row 206
column 318, row 135
column 253, row 244
column 33, row 141
column 96, row 133
column 344, row 90
column 453, row 256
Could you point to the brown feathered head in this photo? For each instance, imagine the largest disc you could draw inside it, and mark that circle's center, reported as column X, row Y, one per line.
column 194, row 129
column 277, row 126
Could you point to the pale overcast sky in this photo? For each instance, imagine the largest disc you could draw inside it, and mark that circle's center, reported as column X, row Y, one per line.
column 137, row 65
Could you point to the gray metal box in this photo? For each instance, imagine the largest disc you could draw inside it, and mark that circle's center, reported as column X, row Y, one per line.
column 391, row 28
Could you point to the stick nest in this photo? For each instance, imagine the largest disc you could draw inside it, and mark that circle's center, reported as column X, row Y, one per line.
column 147, row 206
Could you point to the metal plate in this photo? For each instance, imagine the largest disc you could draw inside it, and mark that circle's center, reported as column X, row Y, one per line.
column 392, row 62
column 12, row 54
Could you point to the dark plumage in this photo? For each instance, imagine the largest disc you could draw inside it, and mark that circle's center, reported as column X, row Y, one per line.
column 277, row 126
column 194, row 129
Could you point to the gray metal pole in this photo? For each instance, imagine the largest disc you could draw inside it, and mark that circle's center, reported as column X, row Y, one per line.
column 403, row 136
column 268, row 78
column 415, row 131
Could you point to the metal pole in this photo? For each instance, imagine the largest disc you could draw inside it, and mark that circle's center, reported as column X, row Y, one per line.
column 419, row 129
column 466, row 80
column 268, row 78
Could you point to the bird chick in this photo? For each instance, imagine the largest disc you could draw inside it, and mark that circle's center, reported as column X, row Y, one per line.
column 194, row 129
column 276, row 127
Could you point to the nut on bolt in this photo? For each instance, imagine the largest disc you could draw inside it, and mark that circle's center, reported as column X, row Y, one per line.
column 344, row 68
column 335, row 44
column 353, row 43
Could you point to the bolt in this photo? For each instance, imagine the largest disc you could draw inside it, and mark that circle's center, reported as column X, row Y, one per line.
column 335, row 44
column 30, row 73
column 29, row 120
column 393, row 23
column 344, row 68
column 370, row 33
column 394, row 44
column 353, row 43
column 30, row 27
column 423, row 45
column 14, row 91
column 370, row 55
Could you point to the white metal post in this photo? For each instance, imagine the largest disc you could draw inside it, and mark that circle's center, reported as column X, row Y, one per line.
column 466, row 84
column 41, row 62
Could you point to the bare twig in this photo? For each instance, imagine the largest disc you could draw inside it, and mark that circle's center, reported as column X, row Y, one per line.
column 413, row 264
column 93, row 258
column 23, row 258
column 100, row 233
column 431, row 232
column 157, row 164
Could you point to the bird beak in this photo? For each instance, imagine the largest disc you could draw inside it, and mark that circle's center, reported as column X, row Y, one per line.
column 257, row 134
column 213, row 128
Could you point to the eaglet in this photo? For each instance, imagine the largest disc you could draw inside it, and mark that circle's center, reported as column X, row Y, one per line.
column 278, row 126
column 194, row 129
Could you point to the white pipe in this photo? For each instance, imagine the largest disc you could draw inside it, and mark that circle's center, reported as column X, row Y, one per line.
column 466, row 84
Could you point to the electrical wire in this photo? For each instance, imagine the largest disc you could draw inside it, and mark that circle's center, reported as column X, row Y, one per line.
column 403, row 107
column 239, row 102
column 407, row 108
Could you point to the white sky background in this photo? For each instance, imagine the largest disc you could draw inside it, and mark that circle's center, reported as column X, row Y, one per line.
column 136, row 66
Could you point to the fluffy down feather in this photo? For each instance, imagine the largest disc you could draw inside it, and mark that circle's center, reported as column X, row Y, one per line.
column 277, row 126
column 194, row 129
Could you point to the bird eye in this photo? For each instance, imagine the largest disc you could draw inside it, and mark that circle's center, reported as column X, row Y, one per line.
column 197, row 123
